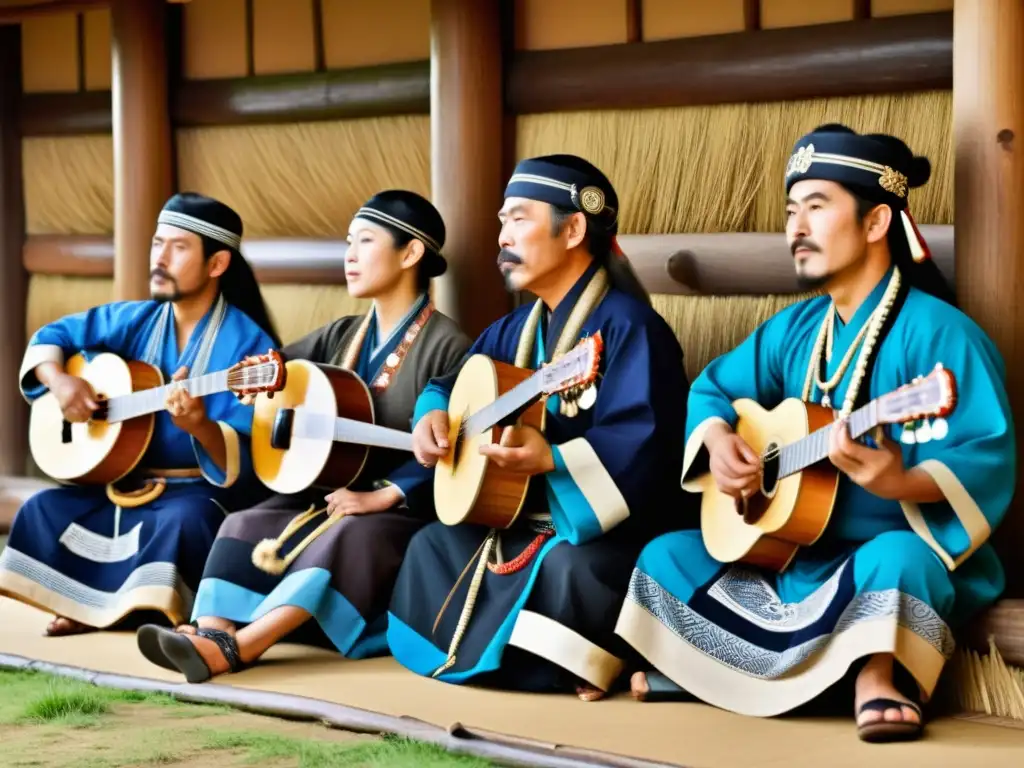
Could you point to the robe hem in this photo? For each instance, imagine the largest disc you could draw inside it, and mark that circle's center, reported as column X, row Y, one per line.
column 719, row 685
column 552, row 640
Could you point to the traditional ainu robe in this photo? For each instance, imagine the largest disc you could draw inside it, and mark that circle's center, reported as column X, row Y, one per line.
column 886, row 577
column 76, row 553
column 549, row 620
column 344, row 577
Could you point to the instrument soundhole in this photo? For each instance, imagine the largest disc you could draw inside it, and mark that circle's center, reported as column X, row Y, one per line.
column 770, row 469
column 65, row 432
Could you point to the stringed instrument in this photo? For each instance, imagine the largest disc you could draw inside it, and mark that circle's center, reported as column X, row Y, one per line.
column 798, row 483
column 129, row 393
column 489, row 395
column 318, row 430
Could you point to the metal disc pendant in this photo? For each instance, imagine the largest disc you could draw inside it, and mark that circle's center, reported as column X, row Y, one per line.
column 587, row 398
column 826, row 401
column 392, row 360
column 939, row 429
column 907, row 438
column 923, row 433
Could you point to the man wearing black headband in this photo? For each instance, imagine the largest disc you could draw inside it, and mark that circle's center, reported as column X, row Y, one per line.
column 343, row 580
column 93, row 555
column 905, row 558
column 541, row 616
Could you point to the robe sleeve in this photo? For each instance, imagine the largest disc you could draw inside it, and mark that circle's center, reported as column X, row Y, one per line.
column 411, row 478
column 972, row 458
column 317, row 346
column 108, row 327
column 232, row 417
column 754, row 369
column 611, row 471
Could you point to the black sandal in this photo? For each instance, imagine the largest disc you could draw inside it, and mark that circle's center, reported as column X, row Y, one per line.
column 885, row 731
column 660, row 688
column 148, row 639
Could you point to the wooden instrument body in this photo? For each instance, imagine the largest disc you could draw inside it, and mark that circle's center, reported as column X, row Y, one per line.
column 468, row 488
column 98, row 452
column 319, row 389
column 799, row 506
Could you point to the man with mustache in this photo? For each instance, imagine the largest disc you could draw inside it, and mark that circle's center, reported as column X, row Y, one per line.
column 540, row 615
column 92, row 555
column 905, row 558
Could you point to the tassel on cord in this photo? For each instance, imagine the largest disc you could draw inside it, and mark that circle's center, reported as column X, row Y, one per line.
column 267, row 554
column 918, row 247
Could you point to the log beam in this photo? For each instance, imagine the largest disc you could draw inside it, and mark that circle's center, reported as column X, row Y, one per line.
column 852, row 58
column 142, row 138
column 719, row 264
column 466, row 156
column 988, row 126
column 13, row 278
column 902, row 53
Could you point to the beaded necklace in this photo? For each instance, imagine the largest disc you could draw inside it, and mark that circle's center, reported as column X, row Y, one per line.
column 869, row 333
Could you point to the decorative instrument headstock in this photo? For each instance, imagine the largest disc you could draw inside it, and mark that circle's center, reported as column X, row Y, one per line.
column 259, row 373
column 575, row 369
column 931, row 396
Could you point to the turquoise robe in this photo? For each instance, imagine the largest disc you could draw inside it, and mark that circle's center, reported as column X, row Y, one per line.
column 74, row 552
column 886, row 577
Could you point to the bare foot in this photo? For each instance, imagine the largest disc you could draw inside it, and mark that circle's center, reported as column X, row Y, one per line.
column 587, row 692
column 638, row 686
column 62, row 626
column 875, row 682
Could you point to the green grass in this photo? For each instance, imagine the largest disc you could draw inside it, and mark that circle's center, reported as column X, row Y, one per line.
column 37, row 709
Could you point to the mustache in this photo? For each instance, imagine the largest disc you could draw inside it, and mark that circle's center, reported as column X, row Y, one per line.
column 506, row 256
column 803, row 242
column 158, row 272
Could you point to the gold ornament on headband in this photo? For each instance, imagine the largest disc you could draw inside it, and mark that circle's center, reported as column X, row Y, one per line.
column 893, row 181
column 801, row 160
column 590, row 200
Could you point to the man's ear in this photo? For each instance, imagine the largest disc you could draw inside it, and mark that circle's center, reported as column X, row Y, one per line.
column 879, row 219
column 576, row 229
column 219, row 263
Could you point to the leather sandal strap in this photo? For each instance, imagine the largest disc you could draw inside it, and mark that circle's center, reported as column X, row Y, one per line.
column 881, row 704
column 227, row 646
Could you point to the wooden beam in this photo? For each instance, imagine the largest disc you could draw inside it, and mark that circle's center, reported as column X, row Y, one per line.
column 722, row 264
column 890, row 55
column 902, row 53
column 14, row 425
column 142, row 138
column 275, row 261
column 466, row 150
column 15, row 14
column 392, row 89
column 988, row 126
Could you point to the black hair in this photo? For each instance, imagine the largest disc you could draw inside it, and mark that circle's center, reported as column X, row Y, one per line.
column 926, row 275
column 240, row 288
column 599, row 244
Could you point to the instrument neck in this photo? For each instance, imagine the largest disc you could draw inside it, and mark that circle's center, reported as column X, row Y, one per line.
column 813, row 448
column 146, row 401
column 521, row 396
column 342, row 430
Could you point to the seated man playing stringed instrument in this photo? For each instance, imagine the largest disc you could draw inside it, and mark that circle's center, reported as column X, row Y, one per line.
column 93, row 555
column 355, row 537
column 532, row 607
column 904, row 557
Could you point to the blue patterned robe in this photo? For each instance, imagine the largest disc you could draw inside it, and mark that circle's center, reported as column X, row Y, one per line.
column 886, row 577
column 549, row 624
column 71, row 550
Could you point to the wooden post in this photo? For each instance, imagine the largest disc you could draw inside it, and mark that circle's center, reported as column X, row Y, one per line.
column 13, row 277
column 142, row 138
column 466, row 148
column 988, row 110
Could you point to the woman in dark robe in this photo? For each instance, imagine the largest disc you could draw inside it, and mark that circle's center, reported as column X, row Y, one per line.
column 344, row 577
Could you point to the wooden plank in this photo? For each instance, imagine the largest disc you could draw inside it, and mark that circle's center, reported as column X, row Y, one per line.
column 13, row 13
column 558, row 24
column 908, row 53
column 988, row 131
column 362, row 33
column 800, row 13
column 13, row 278
column 214, row 40
column 899, row 54
column 283, row 37
column 49, row 54
column 727, row 263
column 98, row 74
column 673, row 19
